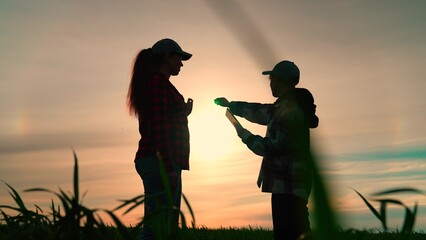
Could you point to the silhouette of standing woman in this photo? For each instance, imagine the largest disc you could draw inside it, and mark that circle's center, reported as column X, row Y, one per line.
column 163, row 124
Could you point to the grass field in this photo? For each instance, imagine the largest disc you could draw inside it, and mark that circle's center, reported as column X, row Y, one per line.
column 201, row 233
column 265, row 234
column 69, row 219
column 259, row 234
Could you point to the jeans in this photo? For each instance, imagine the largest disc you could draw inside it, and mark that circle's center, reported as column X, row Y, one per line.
column 289, row 216
column 156, row 217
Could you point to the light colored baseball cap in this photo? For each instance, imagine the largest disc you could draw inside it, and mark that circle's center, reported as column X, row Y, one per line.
column 168, row 45
column 286, row 70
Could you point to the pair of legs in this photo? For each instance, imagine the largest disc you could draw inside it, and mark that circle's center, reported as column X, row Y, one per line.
column 290, row 216
column 160, row 218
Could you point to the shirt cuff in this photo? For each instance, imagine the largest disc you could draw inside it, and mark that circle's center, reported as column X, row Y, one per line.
column 245, row 134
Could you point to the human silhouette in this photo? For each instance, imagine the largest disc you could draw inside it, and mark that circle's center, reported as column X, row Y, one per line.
column 163, row 125
column 285, row 171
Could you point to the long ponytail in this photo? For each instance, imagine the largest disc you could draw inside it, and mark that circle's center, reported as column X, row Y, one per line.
column 144, row 66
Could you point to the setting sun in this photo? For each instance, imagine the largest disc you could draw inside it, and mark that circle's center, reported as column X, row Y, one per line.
column 212, row 136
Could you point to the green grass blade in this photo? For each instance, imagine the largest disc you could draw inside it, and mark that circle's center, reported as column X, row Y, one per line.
column 165, row 180
column 389, row 200
column 183, row 220
column 13, row 208
column 372, row 209
column 122, row 229
column 409, row 221
column 398, row 190
column 383, row 215
column 17, row 198
column 325, row 217
column 83, row 196
column 76, row 187
column 65, row 200
column 62, row 196
column 139, row 198
column 409, row 216
column 65, row 196
column 190, row 210
column 54, row 212
column 160, row 221
column 39, row 190
column 38, row 208
column 136, row 204
column 6, row 218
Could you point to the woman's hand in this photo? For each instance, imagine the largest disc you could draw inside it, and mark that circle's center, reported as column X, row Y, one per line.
column 222, row 102
column 189, row 106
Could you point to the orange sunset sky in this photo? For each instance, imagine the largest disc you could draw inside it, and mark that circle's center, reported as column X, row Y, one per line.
column 65, row 68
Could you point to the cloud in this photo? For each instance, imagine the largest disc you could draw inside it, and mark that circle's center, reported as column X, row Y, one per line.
column 389, row 155
column 39, row 142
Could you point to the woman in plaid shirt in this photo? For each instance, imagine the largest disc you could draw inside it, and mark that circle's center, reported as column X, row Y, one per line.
column 163, row 124
column 285, row 171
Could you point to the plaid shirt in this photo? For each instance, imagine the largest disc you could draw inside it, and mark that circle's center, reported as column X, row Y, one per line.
column 284, row 148
column 163, row 124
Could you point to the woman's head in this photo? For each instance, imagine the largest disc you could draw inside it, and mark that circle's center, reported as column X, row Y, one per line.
column 171, row 64
column 173, row 55
column 168, row 45
column 164, row 56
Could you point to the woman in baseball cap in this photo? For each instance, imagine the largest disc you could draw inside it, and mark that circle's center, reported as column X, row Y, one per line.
column 163, row 125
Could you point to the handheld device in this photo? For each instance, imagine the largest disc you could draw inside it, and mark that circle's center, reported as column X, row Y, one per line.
column 233, row 119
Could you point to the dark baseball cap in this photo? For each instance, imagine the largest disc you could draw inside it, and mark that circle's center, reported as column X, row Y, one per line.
column 286, row 70
column 168, row 45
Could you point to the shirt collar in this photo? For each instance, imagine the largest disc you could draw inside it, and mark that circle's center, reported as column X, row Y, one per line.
column 290, row 94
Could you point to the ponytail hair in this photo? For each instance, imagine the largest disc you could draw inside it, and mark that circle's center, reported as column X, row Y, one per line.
column 144, row 67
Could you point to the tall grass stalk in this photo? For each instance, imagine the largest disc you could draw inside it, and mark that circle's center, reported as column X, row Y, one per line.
column 410, row 215
column 161, row 220
column 24, row 215
column 324, row 217
column 71, row 220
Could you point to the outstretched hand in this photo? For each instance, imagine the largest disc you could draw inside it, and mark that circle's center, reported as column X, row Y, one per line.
column 222, row 102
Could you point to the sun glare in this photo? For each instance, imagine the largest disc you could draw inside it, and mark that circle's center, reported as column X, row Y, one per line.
column 212, row 136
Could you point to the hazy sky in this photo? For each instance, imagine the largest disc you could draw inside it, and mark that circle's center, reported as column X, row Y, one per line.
column 65, row 68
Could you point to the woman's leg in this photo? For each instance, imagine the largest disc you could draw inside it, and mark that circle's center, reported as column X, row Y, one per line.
column 177, row 196
column 149, row 171
column 156, row 220
column 290, row 216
